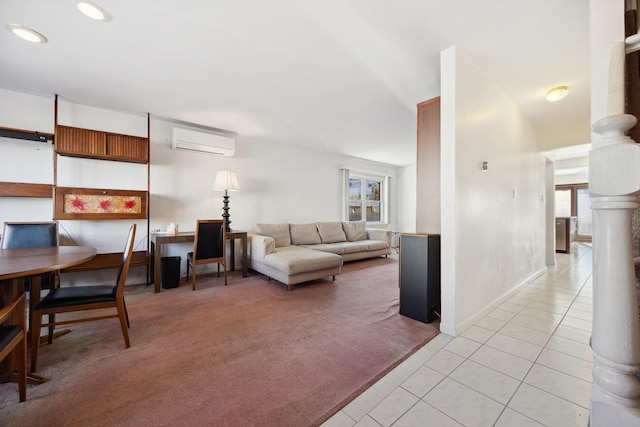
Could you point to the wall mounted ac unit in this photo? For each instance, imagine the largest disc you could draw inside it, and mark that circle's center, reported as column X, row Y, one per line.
column 214, row 143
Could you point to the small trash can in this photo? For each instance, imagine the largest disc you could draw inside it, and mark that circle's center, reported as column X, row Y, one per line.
column 170, row 271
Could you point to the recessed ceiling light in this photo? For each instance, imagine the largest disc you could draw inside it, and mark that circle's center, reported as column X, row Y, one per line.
column 557, row 93
column 93, row 11
column 27, row 33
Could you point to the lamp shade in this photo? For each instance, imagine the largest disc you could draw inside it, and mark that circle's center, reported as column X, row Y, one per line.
column 226, row 181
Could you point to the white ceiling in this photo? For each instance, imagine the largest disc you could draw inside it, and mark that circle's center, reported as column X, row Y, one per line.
column 337, row 75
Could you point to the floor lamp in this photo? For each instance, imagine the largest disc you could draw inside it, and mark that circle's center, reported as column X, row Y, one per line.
column 226, row 181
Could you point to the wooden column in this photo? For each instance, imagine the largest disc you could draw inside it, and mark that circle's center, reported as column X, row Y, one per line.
column 428, row 168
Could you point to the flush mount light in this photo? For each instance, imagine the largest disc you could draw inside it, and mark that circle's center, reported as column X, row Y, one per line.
column 27, row 33
column 93, row 11
column 557, row 93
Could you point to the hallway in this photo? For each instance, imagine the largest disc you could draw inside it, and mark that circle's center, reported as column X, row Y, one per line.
column 526, row 363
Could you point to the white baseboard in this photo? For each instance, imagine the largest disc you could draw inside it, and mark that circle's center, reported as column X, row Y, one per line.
column 470, row 321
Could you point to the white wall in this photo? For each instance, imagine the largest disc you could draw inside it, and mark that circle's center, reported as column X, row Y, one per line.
column 575, row 178
column 606, row 23
column 407, row 203
column 493, row 223
column 279, row 183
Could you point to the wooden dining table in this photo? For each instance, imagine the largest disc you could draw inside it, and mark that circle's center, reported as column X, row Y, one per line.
column 18, row 263
column 24, row 262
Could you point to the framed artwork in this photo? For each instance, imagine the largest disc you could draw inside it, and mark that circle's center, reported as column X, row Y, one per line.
column 96, row 203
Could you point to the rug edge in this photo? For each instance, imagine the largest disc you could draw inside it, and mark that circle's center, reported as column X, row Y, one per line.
column 337, row 408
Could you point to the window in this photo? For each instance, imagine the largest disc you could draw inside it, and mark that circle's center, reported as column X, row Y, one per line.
column 574, row 200
column 563, row 202
column 366, row 196
column 583, row 206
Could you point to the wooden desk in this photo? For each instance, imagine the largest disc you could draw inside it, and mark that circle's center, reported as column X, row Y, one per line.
column 159, row 239
column 16, row 264
column 232, row 236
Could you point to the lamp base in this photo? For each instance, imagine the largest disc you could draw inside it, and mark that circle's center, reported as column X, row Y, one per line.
column 226, row 215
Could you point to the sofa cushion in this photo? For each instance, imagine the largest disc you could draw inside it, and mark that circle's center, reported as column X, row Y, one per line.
column 280, row 232
column 334, row 248
column 354, row 230
column 353, row 247
column 331, row 232
column 377, row 244
column 304, row 234
column 295, row 260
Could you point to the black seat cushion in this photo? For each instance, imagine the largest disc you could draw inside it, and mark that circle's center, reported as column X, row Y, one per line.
column 7, row 333
column 61, row 297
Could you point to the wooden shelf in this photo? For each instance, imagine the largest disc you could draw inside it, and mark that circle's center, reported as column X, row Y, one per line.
column 93, row 144
column 20, row 189
column 109, row 260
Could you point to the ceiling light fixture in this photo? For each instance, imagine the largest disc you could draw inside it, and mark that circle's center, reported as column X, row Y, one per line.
column 557, row 93
column 93, row 11
column 27, row 33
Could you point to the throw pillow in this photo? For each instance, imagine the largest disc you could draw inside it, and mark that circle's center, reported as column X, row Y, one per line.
column 280, row 232
column 355, row 231
column 331, row 232
column 304, row 234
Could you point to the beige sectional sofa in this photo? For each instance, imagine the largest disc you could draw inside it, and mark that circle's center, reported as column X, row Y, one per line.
column 296, row 253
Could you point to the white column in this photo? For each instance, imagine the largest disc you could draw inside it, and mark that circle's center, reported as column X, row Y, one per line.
column 614, row 184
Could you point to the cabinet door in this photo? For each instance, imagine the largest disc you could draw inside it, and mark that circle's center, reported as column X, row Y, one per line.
column 127, row 148
column 77, row 142
column 72, row 141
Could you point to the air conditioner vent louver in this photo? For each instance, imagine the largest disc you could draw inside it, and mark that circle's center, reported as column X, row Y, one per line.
column 205, row 142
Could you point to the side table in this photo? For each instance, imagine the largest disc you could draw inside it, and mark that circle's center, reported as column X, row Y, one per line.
column 232, row 236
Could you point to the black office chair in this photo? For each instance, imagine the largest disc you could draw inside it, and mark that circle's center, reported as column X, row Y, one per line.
column 82, row 298
column 13, row 338
column 208, row 247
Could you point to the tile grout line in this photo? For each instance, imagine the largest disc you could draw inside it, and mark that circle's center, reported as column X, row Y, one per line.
column 545, row 346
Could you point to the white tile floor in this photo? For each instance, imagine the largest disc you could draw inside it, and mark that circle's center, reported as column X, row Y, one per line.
column 527, row 363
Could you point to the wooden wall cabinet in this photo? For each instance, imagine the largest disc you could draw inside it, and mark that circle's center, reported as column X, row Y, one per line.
column 78, row 142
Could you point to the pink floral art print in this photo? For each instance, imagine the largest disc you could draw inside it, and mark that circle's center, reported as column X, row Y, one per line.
column 84, row 203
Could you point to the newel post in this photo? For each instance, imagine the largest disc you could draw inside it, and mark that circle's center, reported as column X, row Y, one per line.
column 614, row 185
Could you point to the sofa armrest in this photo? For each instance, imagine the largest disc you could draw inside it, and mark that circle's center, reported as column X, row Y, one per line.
column 378, row 234
column 260, row 246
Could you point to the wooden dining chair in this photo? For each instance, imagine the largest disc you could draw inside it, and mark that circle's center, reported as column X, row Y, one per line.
column 29, row 234
column 82, row 298
column 13, row 338
column 33, row 235
column 208, row 247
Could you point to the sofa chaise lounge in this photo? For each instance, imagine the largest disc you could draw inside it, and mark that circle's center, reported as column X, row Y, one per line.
column 296, row 253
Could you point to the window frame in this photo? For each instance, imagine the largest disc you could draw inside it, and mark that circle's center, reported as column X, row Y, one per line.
column 574, row 204
column 364, row 177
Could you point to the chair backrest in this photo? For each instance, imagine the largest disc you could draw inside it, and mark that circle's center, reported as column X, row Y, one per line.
column 29, row 234
column 126, row 262
column 209, row 240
